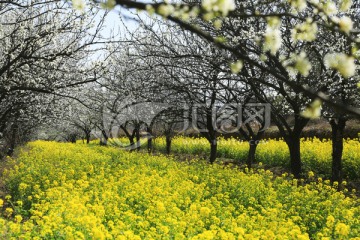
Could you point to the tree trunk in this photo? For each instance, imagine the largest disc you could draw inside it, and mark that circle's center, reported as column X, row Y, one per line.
column 168, row 144
column 295, row 158
column 253, row 143
column 132, row 138
column 132, row 142
column 150, row 144
column 251, row 154
column 149, row 140
column 129, row 136
column 103, row 141
column 337, row 148
column 213, row 150
column 137, row 135
column 73, row 138
column 87, row 136
column 12, row 141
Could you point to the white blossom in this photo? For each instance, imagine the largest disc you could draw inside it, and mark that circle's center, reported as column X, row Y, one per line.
column 222, row 6
column 217, row 23
column 78, row 4
column 236, row 66
column 272, row 40
column 298, row 4
column 272, row 35
column 165, row 10
column 313, row 110
column 263, row 57
column 345, row 5
column 184, row 13
column 355, row 52
column 341, row 62
column 305, row 31
column 302, row 64
column 109, row 4
column 346, row 24
column 273, row 22
column 150, row 9
column 330, row 8
column 298, row 64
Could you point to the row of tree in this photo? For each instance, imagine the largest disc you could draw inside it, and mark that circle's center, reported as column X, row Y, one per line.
column 46, row 48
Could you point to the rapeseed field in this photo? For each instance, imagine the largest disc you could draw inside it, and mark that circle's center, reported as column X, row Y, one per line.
column 315, row 153
column 77, row 191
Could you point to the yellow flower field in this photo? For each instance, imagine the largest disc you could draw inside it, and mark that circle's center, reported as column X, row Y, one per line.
column 75, row 191
column 315, row 154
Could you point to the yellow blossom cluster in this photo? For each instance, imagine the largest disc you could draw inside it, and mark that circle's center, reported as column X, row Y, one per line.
column 78, row 191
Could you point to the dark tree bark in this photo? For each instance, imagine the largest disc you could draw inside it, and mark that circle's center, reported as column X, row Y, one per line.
column 128, row 135
column 104, row 139
column 131, row 140
column 213, row 151
column 293, row 142
column 71, row 137
column 87, row 136
column 12, row 144
column 211, row 136
column 168, row 144
column 251, row 154
column 253, row 138
column 137, row 136
column 149, row 140
column 295, row 157
column 337, row 127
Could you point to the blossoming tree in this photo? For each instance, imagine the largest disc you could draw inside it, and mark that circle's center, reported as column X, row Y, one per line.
column 46, row 47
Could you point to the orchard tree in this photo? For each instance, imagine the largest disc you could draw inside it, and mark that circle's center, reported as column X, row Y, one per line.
column 329, row 14
column 27, row 113
column 80, row 117
column 284, row 43
column 46, row 49
column 192, row 75
column 341, row 87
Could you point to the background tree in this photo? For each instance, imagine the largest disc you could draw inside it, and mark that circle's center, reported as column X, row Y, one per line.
column 46, row 48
